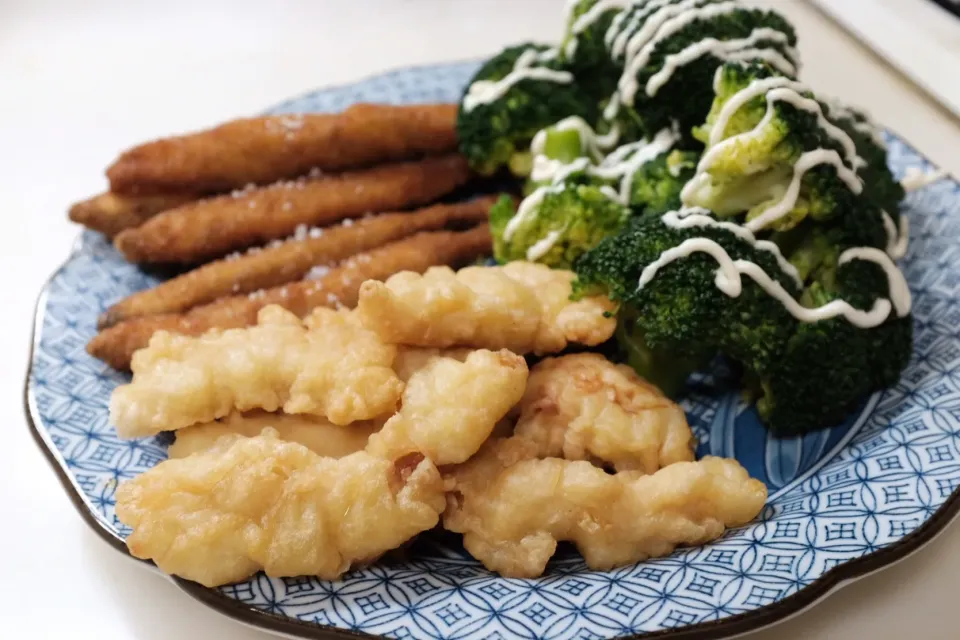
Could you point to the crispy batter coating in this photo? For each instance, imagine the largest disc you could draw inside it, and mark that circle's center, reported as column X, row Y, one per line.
column 584, row 407
column 329, row 366
column 265, row 149
column 522, row 307
column 314, row 432
column 110, row 213
column 512, row 510
column 117, row 344
column 410, row 360
column 449, row 408
column 213, row 227
column 260, row 503
column 290, row 260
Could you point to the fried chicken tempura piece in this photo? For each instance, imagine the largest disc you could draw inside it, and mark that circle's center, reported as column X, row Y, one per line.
column 110, row 213
column 292, row 260
column 513, row 510
column 314, row 432
column 260, row 503
column 449, row 408
column 410, row 360
column 522, row 307
column 265, row 149
column 339, row 287
column 584, row 407
column 213, row 227
column 328, row 365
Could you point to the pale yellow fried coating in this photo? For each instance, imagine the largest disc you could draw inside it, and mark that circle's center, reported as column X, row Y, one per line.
column 213, row 227
column 449, row 408
column 257, row 503
column 110, row 213
column 522, row 307
column 584, row 407
column 329, row 366
column 314, row 432
column 512, row 509
column 268, row 148
column 409, row 360
column 290, row 260
column 339, row 287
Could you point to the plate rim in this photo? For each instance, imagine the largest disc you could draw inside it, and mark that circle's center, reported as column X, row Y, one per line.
column 738, row 624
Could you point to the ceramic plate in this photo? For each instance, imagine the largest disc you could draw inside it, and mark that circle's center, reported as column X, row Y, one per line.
column 843, row 501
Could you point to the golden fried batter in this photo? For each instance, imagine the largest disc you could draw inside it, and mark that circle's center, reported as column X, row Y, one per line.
column 260, row 503
column 291, row 260
column 262, row 150
column 512, row 510
column 213, row 227
column 409, row 360
column 117, row 344
column 332, row 367
column 449, row 408
column 522, row 307
column 110, row 213
column 315, row 433
column 584, row 407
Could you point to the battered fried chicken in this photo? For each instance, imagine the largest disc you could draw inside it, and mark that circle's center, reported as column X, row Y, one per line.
column 339, row 287
column 331, row 366
column 260, row 503
column 584, row 407
column 213, row 227
column 449, row 408
column 265, row 149
column 315, row 433
column 110, row 213
column 522, row 307
column 512, row 509
column 291, row 260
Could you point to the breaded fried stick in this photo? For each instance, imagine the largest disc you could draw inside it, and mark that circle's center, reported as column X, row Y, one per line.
column 260, row 503
column 449, row 407
column 213, row 227
column 110, row 213
column 327, row 365
column 314, row 432
column 338, row 287
column 265, row 149
column 512, row 510
column 289, row 261
column 584, row 407
column 523, row 307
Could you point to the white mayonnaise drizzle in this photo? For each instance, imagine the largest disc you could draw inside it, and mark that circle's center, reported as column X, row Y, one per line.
column 698, row 217
column 591, row 145
column 729, row 280
column 546, row 169
column 487, row 91
column 735, row 50
column 540, row 248
column 527, row 208
column 865, row 125
column 625, row 161
column 915, row 179
column 897, row 239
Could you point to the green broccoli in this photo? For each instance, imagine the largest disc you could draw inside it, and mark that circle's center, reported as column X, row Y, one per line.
column 554, row 225
column 584, row 47
column 656, row 185
column 498, row 133
column 670, row 78
column 750, row 166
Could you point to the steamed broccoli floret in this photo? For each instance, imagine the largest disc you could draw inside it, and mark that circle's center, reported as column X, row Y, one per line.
column 754, row 171
column 497, row 134
column 686, row 95
column 586, row 51
column 827, row 368
column 681, row 313
column 655, row 187
column 559, row 226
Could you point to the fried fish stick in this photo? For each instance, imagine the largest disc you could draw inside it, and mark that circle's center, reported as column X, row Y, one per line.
column 110, row 213
column 260, row 503
column 215, row 226
column 314, row 432
column 265, row 149
column 339, row 287
column 289, row 261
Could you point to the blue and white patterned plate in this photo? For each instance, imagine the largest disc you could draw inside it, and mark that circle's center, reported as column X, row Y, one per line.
column 843, row 501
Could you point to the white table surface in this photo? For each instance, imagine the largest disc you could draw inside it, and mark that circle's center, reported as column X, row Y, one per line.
column 80, row 80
